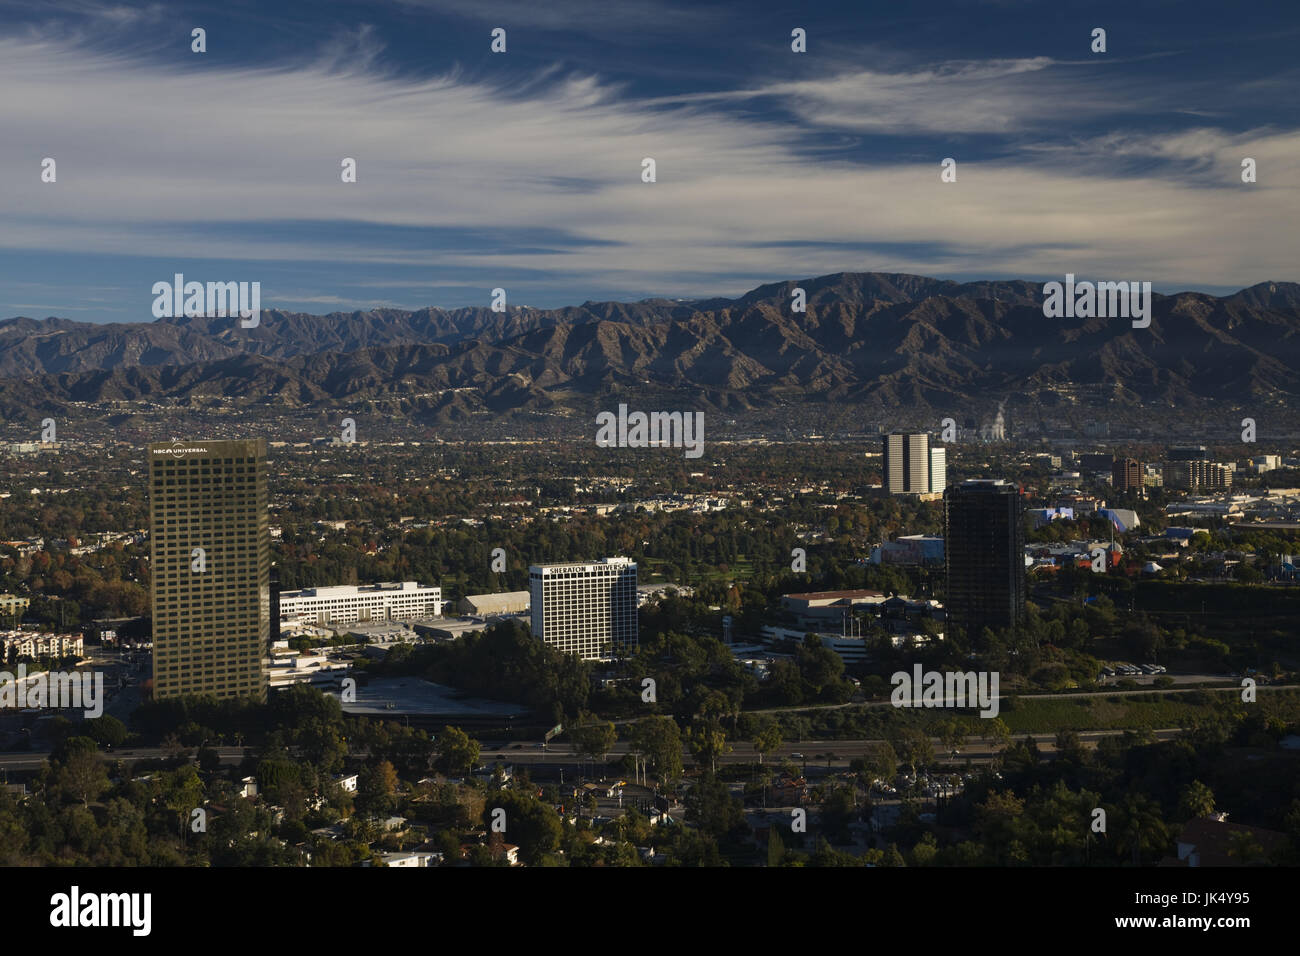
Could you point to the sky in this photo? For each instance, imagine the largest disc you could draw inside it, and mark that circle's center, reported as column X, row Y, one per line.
column 523, row 170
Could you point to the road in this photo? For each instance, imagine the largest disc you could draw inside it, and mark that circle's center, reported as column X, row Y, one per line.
column 1073, row 695
column 834, row 753
column 841, row 752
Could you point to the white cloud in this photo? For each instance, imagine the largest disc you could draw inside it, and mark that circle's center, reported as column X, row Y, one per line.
column 149, row 156
column 955, row 98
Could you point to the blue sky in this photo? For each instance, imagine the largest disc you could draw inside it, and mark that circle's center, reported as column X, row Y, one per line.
column 522, row 169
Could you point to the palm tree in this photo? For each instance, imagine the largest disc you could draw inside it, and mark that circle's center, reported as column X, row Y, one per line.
column 1143, row 829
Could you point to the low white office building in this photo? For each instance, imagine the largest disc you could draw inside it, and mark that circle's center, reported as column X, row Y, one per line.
column 351, row 603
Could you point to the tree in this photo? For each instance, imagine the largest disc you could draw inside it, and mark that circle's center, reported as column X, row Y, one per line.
column 71, row 746
column 708, row 743
column 1197, row 801
column 660, row 739
column 1141, row 831
column 775, row 847
column 377, row 789
column 824, row 855
column 173, row 747
column 883, row 761
column 915, row 748
column 106, row 730
column 952, row 734
column 83, row 777
column 183, row 794
column 839, row 809
column 274, row 773
column 996, row 730
column 821, row 669
column 593, row 737
column 458, row 752
column 1243, row 846
column 711, row 807
column 209, row 760
column 530, row 824
column 1070, row 746
column 715, row 706
column 767, row 739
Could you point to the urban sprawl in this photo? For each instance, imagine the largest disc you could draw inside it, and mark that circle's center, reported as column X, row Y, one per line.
column 516, row 652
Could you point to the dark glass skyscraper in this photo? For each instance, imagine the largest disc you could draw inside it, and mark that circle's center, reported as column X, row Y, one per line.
column 985, row 552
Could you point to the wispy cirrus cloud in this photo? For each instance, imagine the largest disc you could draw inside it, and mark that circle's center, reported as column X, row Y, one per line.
column 468, row 179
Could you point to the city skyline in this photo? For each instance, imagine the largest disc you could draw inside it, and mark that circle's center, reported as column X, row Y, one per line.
column 650, row 435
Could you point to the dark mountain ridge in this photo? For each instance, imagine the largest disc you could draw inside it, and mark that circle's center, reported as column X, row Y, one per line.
column 880, row 340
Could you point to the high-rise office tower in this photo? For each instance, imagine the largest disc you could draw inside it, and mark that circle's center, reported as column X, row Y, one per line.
column 938, row 470
column 1126, row 475
column 586, row 609
column 907, row 463
column 985, row 552
column 210, row 547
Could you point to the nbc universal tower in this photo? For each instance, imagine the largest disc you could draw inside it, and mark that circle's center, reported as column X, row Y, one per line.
column 210, row 547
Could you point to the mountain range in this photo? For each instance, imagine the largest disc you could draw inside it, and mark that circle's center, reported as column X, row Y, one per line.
column 872, row 339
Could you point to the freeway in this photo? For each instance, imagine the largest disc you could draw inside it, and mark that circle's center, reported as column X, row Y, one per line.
column 1075, row 695
column 832, row 753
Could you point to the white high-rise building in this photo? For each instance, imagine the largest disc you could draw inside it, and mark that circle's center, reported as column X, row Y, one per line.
column 350, row 603
column 911, row 466
column 586, row 609
column 938, row 470
column 906, row 463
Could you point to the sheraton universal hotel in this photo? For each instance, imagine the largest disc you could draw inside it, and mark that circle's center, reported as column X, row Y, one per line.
column 586, row 609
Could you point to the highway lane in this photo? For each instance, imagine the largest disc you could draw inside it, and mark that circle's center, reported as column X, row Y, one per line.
column 836, row 753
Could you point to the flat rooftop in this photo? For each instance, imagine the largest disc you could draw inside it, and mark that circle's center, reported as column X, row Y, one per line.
column 355, row 590
column 833, row 595
column 413, row 696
